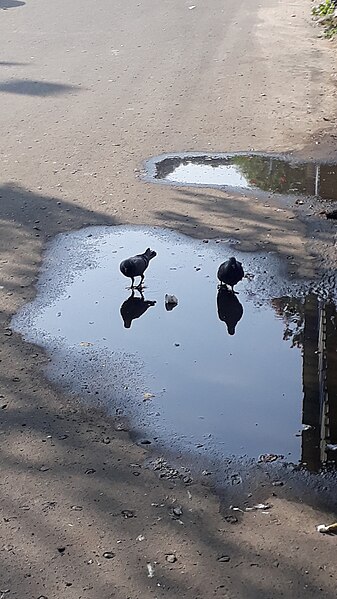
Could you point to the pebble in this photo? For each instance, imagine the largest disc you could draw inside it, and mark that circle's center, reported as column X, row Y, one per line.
column 224, row 558
column 108, row 554
column 171, row 558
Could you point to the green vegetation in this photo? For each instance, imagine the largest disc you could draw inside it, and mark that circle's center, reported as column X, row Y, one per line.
column 326, row 13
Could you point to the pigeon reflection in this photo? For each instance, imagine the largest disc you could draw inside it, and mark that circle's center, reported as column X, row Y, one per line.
column 134, row 307
column 230, row 310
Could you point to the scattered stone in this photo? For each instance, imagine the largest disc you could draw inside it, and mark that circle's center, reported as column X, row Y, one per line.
column 231, row 519
column 44, row 468
column 269, row 457
column 171, row 558
column 77, row 508
column 106, row 440
column 128, row 513
column 90, row 471
column 108, row 554
column 224, row 558
column 177, row 511
column 332, row 214
column 61, row 549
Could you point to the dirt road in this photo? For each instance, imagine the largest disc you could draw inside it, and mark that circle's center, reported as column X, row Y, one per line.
column 87, row 92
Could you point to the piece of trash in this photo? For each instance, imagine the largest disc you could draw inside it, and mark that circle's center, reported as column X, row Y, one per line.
column 206, row 473
column 236, row 479
column 90, row 471
column 44, row 468
column 236, row 509
column 170, row 302
column 106, row 440
column 128, row 513
column 77, row 508
column 306, row 427
column 148, row 396
column 150, row 570
column 269, row 457
column 331, row 529
column 331, row 446
column 86, row 344
column 191, row 7
column 224, row 558
column 61, row 549
column 278, row 483
column 8, row 332
column 171, row 558
column 189, row 494
column 108, row 554
column 259, row 506
column 140, row 538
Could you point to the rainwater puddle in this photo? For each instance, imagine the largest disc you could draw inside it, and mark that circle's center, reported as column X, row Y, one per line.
column 255, row 172
column 178, row 374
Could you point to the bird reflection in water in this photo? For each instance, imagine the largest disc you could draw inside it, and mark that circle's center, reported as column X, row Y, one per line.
column 230, row 310
column 134, row 307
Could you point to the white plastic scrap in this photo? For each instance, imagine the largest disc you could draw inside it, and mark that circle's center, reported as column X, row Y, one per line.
column 331, row 446
column 259, row 506
column 150, row 570
column 327, row 529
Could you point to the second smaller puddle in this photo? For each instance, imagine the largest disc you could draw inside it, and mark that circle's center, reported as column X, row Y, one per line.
column 280, row 174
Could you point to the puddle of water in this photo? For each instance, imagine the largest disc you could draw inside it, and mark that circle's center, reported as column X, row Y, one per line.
column 247, row 172
column 223, row 374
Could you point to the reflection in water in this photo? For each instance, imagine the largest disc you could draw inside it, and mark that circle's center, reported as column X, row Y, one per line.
column 267, row 172
column 312, row 325
column 134, row 307
column 230, row 310
column 185, row 358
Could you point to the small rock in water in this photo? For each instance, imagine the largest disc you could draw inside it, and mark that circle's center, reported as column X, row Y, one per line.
column 170, row 302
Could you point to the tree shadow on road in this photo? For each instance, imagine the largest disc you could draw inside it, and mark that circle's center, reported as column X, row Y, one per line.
column 36, row 88
column 5, row 4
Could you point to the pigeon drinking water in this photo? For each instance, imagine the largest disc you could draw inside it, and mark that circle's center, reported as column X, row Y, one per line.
column 136, row 266
column 230, row 272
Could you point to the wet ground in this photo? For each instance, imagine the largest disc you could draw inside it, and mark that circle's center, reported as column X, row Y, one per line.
column 219, row 375
column 281, row 174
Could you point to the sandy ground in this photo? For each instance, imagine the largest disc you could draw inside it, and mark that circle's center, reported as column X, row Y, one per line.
column 87, row 92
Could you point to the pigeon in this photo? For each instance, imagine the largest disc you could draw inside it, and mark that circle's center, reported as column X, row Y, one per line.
column 134, row 307
column 230, row 272
column 230, row 310
column 136, row 265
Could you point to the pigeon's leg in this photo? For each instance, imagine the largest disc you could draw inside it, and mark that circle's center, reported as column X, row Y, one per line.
column 133, row 282
column 141, row 282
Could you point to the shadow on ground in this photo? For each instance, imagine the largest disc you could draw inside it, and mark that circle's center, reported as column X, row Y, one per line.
column 5, row 4
column 36, row 88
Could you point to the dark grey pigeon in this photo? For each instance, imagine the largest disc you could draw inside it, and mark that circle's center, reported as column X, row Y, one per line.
column 136, row 266
column 230, row 272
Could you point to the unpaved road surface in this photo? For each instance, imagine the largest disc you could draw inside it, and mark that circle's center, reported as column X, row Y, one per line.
column 87, row 92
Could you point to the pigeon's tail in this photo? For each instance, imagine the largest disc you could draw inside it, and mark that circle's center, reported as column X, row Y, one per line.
column 123, row 268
